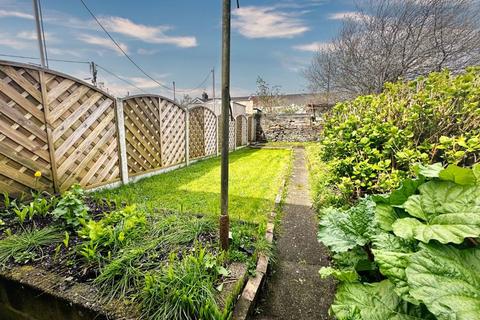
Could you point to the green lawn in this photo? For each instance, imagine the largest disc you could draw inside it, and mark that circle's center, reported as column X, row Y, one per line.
column 255, row 177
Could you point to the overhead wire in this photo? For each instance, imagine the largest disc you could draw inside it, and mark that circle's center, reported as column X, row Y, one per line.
column 119, row 78
column 133, row 62
column 202, row 83
column 121, row 49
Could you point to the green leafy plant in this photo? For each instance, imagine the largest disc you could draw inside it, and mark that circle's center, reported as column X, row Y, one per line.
column 111, row 233
column 425, row 244
column 372, row 142
column 71, row 209
column 21, row 213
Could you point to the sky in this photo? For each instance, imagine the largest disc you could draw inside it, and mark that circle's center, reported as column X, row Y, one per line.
column 176, row 40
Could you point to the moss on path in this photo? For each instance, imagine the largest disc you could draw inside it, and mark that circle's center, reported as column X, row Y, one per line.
column 294, row 290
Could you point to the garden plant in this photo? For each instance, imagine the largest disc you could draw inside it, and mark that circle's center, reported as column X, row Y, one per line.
column 396, row 182
column 154, row 250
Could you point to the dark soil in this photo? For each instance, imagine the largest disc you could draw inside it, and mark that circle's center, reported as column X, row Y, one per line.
column 294, row 289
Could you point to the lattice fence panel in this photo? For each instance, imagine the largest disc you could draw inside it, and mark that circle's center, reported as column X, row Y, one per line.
column 244, row 133
column 84, row 133
column 239, row 127
column 142, row 133
column 23, row 137
column 251, row 129
column 210, row 132
column 196, row 141
column 173, row 133
column 231, row 134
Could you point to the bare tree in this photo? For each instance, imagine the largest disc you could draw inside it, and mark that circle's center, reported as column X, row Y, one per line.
column 268, row 97
column 390, row 40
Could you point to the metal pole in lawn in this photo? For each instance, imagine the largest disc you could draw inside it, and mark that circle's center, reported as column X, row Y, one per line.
column 224, row 221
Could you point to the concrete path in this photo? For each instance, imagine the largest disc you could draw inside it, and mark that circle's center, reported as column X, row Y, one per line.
column 295, row 290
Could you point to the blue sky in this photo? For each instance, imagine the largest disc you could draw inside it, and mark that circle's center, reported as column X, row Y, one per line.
column 177, row 40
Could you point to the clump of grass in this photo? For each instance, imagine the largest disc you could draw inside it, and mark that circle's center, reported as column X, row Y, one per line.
column 27, row 245
column 169, row 233
column 183, row 290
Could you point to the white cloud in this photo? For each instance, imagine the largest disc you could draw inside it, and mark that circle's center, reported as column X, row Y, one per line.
column 32, row 35
column 13, row 42
column 63, row 52
column 15, row 14
column 150, row 34
column 103, row 42
column 147, row 52
column 313, row 47
column 347, row 15
column 264, row 22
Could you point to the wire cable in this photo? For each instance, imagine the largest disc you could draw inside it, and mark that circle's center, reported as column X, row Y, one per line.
column 121, row 49
column 197, row 87
column 120, row 78
column 35, row 58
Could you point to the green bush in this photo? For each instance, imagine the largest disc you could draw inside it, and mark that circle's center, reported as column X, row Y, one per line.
column 422, row 240
column 370, row 143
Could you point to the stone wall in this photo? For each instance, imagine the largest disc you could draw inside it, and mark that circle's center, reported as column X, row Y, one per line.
column 287, row 127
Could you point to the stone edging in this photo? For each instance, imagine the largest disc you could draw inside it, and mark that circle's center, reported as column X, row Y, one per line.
column 247, row 300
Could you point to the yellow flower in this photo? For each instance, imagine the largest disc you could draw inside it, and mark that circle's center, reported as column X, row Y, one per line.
column 38, row 174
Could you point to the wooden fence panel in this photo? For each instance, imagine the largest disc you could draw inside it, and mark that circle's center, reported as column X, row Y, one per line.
column 251, row 129
column 238, row 135
column 244, row 133
column 23, row 135
column 142, row 133
column 196, row 133
column 84, row 136
column 173, row 132
column 210, row 132
column 231, row 135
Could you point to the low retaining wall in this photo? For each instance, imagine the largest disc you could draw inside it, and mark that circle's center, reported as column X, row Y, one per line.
column 287, row 127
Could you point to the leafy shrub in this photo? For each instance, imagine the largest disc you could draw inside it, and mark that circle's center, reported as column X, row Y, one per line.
column 71, row 209
column 423, row 237
column 112, row 232
column 372, row 142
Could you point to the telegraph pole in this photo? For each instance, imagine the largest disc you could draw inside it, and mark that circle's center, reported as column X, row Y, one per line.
column 174, row 94
column 213, row 88
column 93, row 70
column 41, row 41
column 224, row 220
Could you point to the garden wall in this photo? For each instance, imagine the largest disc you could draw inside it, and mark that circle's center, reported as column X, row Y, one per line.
column 72, row 132
column 286, row 127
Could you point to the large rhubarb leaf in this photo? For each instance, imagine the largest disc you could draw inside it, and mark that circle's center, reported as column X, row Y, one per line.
column 342, row 230
column 443, row 211
column 459, row 175
column 447, row 281
column 392, row 256
column 376, row 301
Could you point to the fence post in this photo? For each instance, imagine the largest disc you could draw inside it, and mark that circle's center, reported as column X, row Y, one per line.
column 48, row 128
column 187, row 137
column 122, row 147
